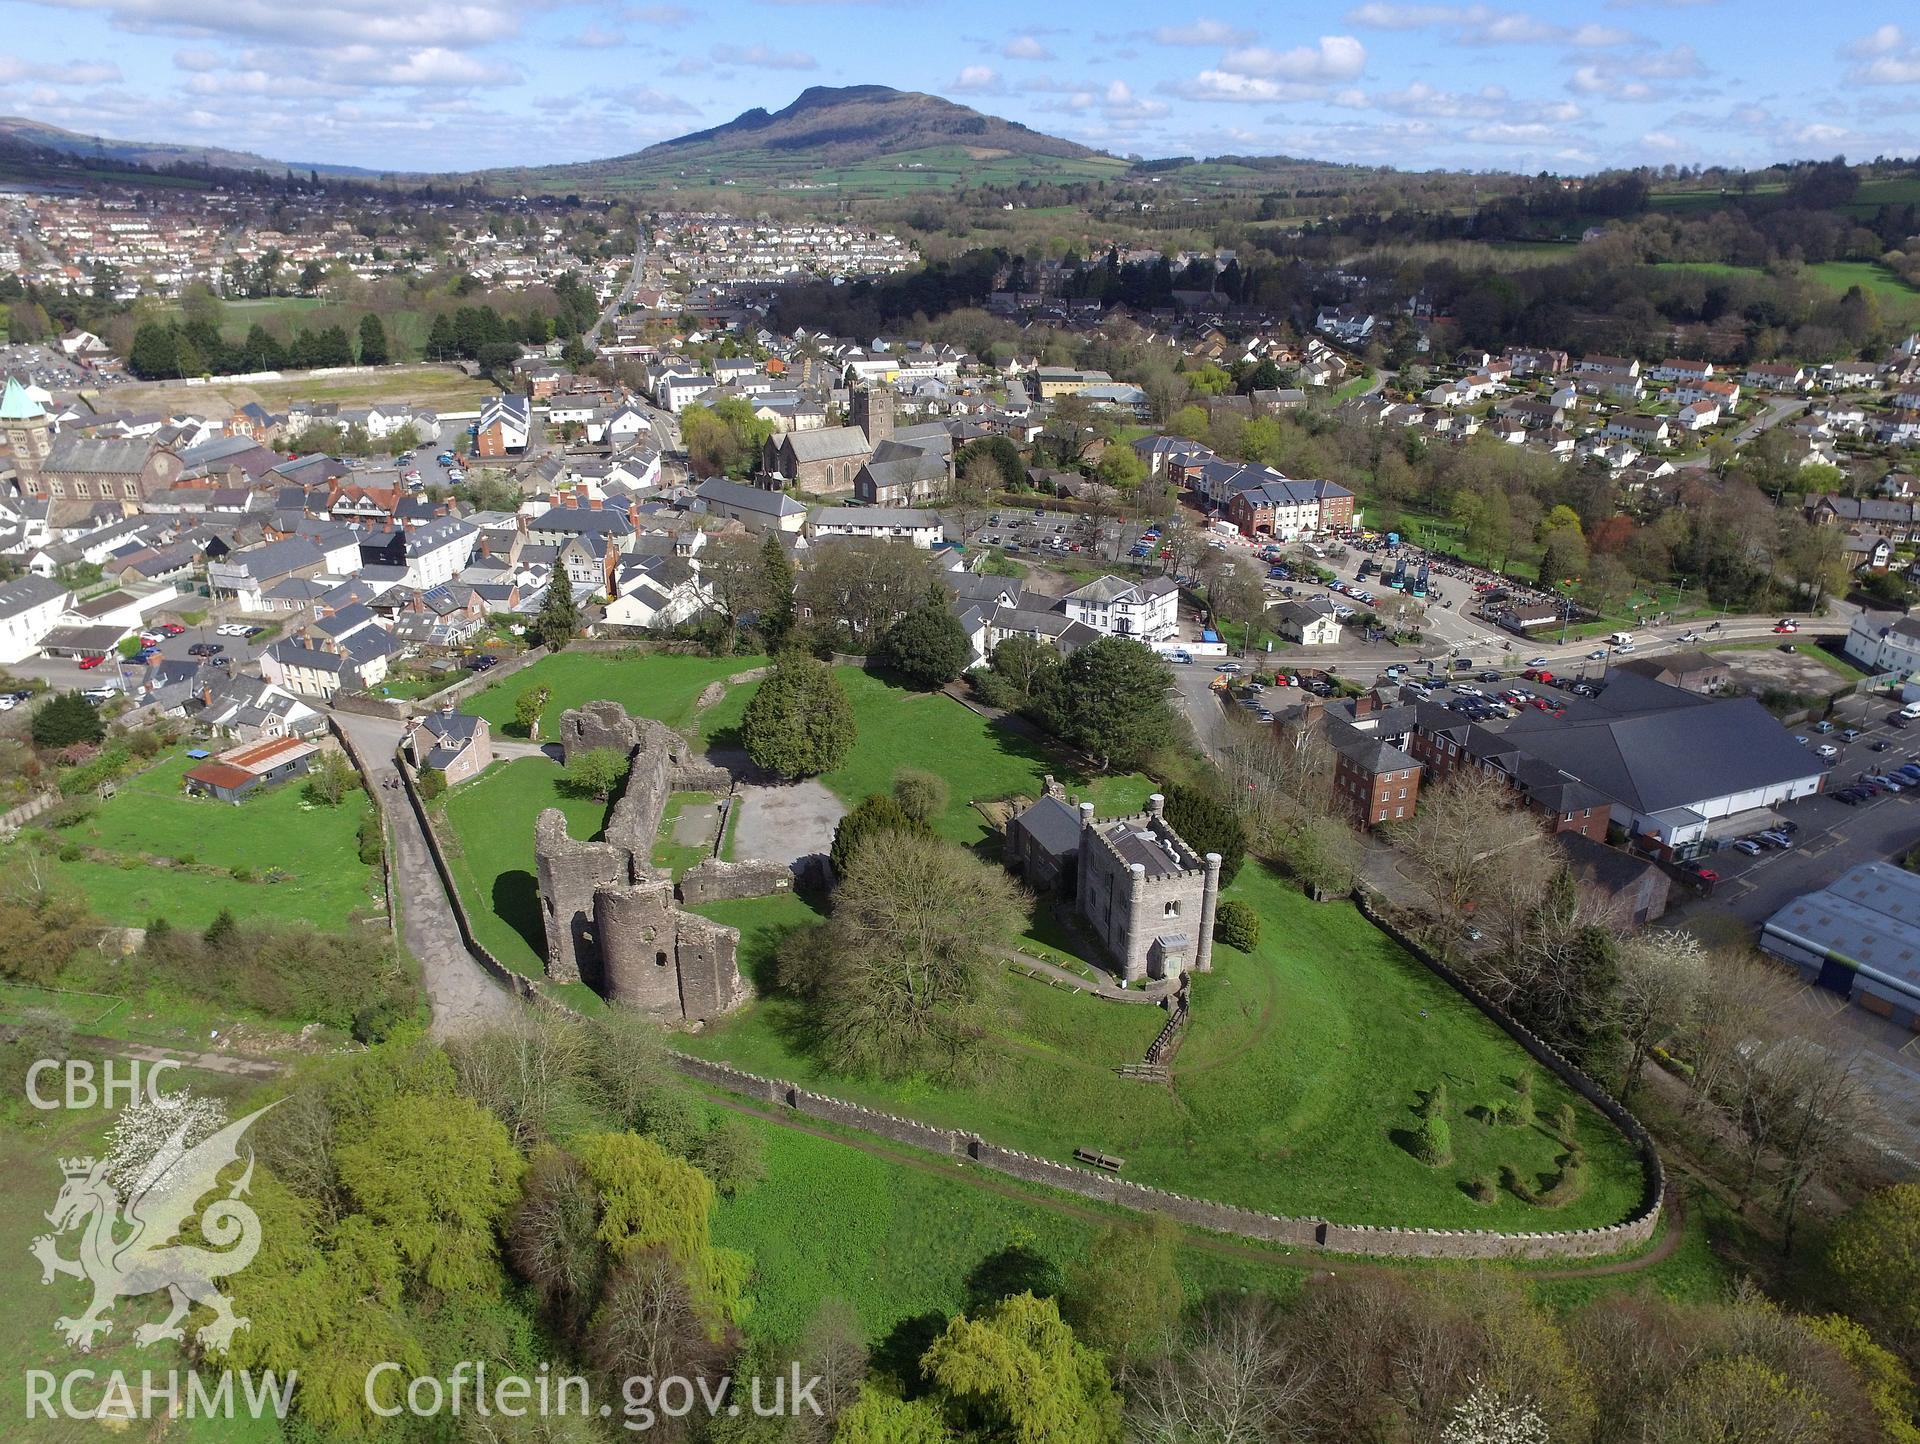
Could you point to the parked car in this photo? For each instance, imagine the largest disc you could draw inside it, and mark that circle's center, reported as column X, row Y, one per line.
column 1848, row 796
column 1823, row 725
column 172, row 629
column 251, row 632
column 205, row 649
column 1826, row 749
column 87, row 664
column 482, row 662
column 1751, row 849
column 97, row 695
column 1700, row 871
column 1849, row 734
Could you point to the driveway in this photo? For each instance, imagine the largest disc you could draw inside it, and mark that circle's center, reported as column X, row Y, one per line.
column 463, row 996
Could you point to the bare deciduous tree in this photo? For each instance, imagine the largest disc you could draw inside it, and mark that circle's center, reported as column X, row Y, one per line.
column 1237, row 1379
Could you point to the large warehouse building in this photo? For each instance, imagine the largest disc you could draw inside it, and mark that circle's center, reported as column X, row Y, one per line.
column 1859, row 937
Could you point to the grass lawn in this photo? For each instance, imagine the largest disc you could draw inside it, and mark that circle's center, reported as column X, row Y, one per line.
column 898, row 1240
column 679, row 856
column 661, row 685
column 30, row 1149
column 901, row 728
column 1808, row 647
column 320, row 878
column 444, row 388
column 1294, row 1092
column 491, row 820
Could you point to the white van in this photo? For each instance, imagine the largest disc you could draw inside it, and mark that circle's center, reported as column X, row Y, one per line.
column 1620, row 639
column 1910, row 712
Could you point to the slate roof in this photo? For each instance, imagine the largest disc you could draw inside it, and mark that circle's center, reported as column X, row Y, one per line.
column 1053, row 824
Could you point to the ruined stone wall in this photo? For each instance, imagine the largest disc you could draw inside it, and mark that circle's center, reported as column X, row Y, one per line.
column 637, row 927
column 611, row 921
column 717, row 881
column 706, row 957
column 570, row 874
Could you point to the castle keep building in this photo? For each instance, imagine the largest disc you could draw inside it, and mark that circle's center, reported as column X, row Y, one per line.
column 1143, row 892
column 612, row 922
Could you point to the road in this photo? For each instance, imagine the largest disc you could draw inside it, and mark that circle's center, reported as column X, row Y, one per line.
column 1777, row 410
column 460, row 991
column 612, row 311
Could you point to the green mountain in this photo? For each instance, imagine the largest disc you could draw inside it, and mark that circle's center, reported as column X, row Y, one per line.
column 865, row 138
column 18, row 133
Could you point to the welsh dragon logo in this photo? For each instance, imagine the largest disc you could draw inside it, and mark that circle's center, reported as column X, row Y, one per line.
column 127, row 1249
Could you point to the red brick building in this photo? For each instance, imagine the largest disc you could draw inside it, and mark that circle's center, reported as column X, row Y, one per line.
column 1374, row 780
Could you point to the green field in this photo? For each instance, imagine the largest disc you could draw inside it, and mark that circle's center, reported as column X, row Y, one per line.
column 1896, row 297
column 29, row 1166
column 310, row 850
column 444, row 388
column 489, row 823
column 283, row 316
column 899, row 728
column 1293, row 1092
column 943, row 167
column 662, row 685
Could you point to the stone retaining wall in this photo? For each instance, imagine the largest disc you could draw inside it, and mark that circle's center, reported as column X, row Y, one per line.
column 716, row 881
column 1313, row 1233
column 16, row 818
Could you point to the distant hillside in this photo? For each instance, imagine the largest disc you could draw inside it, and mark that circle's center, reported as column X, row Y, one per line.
column 856, row 137
column 158, row 154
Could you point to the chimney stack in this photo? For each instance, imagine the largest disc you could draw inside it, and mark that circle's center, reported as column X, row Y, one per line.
column 1086, row 816
column 1156, row 804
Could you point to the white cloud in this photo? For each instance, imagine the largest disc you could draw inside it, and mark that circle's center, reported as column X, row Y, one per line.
column 664, row 17
column 1334, row 57
column 597, row 37
column 645, row 100
column 1226, row 85
column 976, row 79
column 196, row 60
column 14, row 70
column 761, row 57
column 1026, row 47
column 1887, row 57
column 1486, row 25
column 1202, row 32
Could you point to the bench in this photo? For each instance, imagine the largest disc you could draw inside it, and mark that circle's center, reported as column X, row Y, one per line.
column 1099, row 1159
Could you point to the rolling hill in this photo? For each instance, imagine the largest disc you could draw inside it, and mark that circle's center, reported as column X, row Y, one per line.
column 869, row 138
column 21, row 132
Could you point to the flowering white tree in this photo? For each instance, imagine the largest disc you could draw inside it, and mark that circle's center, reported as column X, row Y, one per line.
column 150, row 1135
column 1483, row 1417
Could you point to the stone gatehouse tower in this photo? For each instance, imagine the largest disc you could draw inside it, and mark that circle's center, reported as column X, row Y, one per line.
column 1144, row 893
column 611, row 921
column 1148, row 896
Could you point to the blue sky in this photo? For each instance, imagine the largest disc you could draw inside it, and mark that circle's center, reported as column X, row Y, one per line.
column 459, row 84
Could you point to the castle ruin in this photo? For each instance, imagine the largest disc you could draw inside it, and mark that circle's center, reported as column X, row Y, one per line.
column 612, row 921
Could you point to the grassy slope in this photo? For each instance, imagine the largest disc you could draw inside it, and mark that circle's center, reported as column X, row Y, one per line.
column 150, row 816
column 899, row 728
column 663, row 686
column 492, row 817
column 1301, row 1065
column 30, row 1150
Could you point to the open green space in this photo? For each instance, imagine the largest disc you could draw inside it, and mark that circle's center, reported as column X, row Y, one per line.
column 275, row 855
column 1295, row 1091
column 286, row 315
column 30, row 1153
column 898, row 1239
column 441, row 387
column 489, row 825
column 929, row 730
column 665, row 686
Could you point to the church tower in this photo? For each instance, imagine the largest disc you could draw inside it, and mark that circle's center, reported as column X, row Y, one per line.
column 873, row 413
column 28, row 432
